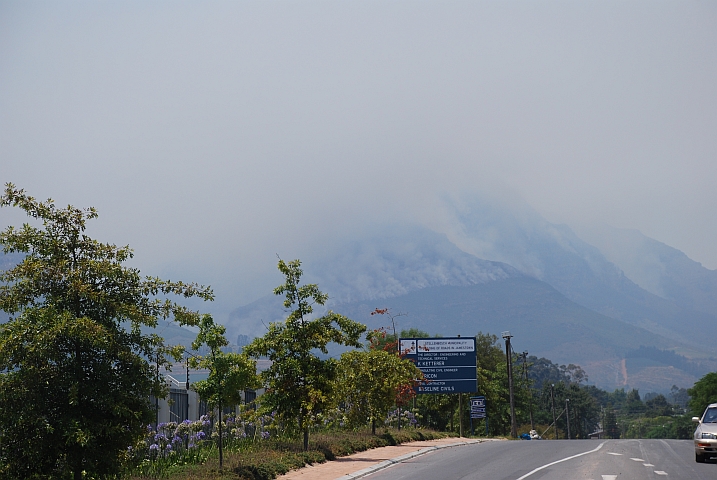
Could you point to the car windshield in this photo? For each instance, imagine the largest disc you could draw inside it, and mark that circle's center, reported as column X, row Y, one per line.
column 710, row 416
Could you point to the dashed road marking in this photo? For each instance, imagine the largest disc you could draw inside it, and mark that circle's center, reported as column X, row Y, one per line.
column 660, row 472
column 637, row 459
column 608, row 477
column 648, row 464
column 613, row 453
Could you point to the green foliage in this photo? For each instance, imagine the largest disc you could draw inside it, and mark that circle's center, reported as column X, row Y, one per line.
column 610, row 426
column 703, row 393
column 229, row 373
column 658, row 427
column 544, row 371
column 73, row 368
column 300, row 384
column 371, row 381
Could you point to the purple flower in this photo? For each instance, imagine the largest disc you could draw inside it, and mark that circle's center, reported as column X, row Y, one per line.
column 201, row 435
column 154, row 446
column 264, row 435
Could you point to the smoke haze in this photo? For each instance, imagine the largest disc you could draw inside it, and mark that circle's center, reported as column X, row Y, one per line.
column 212, row 136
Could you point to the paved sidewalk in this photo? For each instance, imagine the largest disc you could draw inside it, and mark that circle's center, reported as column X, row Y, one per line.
column 363, row 463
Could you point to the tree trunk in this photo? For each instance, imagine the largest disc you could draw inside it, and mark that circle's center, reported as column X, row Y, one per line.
column 373, row 426
column 221, row 457
column 306, row 439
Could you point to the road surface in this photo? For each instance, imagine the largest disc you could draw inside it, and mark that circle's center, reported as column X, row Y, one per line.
column 557, row 460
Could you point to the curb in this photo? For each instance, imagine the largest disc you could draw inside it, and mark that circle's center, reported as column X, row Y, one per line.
column 402, row 458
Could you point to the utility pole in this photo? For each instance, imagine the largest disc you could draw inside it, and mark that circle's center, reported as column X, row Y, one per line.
column 567, row 414
column 530, row 391
column 513, row 427
column 552, row 400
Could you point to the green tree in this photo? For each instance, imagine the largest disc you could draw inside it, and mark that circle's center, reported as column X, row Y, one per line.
column 703, row 393
column 658, row 407
column 493, row 382
column 74, row 377
column 372, row 380
column 299, row 383
column 633, row 403
column 229, row 373
column 610, row 426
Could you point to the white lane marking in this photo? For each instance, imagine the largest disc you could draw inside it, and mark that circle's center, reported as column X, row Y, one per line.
column 637, row 459
column 562, row 460
column 648, row 464
column 608, row 477
column 613, row 453
column 660, row 472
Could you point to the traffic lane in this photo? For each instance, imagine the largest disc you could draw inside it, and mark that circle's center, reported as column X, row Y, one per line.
column 489, row 461
column 558, row 460
column 663, row 458
column 614, row 459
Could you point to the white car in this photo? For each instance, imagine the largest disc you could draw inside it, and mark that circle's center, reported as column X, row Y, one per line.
column 706, row 434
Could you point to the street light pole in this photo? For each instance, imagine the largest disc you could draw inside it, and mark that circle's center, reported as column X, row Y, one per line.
column 513, row 426
column 552, row 401
column 567, row 414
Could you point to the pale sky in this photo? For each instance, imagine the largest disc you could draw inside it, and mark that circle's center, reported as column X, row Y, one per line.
column 212, row 136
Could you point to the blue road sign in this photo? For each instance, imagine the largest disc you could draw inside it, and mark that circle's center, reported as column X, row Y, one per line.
column 448, row 364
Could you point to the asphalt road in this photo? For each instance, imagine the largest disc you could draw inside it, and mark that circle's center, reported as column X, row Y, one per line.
column 557, row 460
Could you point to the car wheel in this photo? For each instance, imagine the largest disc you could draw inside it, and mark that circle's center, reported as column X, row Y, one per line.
column 700, row 458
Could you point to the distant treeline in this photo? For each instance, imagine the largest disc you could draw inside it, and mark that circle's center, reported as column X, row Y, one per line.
column 668, row 357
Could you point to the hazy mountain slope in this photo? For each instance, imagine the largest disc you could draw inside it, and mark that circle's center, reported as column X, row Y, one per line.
column 389, row 263
column 400, row 259
column 519, row 236
column 658, row 268
column 542, row 320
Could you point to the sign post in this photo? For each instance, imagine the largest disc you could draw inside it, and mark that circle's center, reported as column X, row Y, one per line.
column 478, row 411
column 448, row 364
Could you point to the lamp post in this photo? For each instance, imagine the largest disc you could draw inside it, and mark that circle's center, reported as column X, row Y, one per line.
column 567, row 415
column 552, row 401
column 513, row 427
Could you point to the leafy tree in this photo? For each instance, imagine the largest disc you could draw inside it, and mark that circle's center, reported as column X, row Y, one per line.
column 610, row 427
column 300, row 383
column 679, row 397
column 74, row 377
column 633, row 403
column 493, row 383
column 229, row 373
column 703, row 393
column 372, row 381
column 658, row 407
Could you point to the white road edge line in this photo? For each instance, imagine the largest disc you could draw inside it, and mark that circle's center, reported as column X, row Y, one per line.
column 560, row 461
